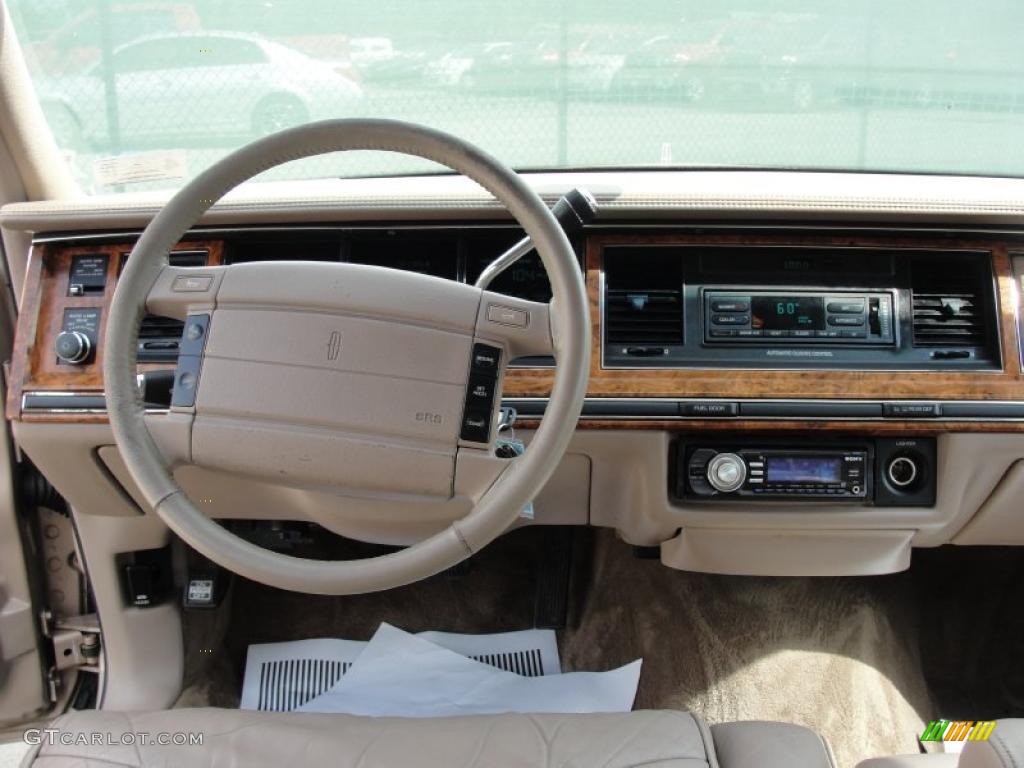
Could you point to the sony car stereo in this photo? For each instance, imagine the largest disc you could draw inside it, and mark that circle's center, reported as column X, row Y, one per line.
column 831, row 474
column 798, row 316
column 883, row 471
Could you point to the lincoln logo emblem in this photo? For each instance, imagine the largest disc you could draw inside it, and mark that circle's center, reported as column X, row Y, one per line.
column 334, row 345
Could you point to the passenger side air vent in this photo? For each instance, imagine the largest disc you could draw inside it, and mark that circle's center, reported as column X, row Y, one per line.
column 950, row 302
column 643, row 304
column 159, row 337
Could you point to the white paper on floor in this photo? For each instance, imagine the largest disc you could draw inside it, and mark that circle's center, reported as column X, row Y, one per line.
column 401, row 675
column 281, row 676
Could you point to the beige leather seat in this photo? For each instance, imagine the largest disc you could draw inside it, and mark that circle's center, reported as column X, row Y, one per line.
column 654, row 739
column 1004, row 749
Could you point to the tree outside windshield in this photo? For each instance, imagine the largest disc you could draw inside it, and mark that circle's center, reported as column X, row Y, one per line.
column 144, row 94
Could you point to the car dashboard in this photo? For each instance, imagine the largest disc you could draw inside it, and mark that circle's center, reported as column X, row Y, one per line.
column 803, row 385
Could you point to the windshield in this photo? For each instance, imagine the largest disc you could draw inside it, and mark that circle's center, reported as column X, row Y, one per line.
column 145, row 94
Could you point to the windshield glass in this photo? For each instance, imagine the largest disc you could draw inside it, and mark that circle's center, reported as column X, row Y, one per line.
column 144, row 94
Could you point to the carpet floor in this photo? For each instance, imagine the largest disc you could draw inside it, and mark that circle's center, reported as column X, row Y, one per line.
column 864, row 661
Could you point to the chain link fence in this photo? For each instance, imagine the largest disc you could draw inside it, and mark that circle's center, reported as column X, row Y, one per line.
column 145, row 94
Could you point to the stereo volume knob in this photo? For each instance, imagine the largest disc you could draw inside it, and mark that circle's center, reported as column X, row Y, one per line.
column 72, row 347
column 727, row 472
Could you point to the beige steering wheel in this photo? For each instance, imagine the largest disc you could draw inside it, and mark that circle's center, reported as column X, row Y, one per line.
column 345, row 377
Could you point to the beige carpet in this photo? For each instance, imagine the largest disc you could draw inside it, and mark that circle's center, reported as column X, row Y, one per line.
column 838, row 655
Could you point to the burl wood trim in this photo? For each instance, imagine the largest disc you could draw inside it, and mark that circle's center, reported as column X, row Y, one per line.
column 1006, row 384
column 34, row 365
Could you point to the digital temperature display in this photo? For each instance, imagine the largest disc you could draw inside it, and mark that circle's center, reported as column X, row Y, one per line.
column 788, row 313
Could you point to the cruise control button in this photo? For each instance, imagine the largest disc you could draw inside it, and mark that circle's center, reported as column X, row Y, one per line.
column 480, row 392
column 476, row 425
column 486, row 358
column 846, row 320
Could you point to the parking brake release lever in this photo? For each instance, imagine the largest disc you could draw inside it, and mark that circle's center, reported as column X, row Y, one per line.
column 574, row 210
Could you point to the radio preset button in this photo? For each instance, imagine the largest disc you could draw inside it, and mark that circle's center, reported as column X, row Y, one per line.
column 720, row 333
column 853, row 334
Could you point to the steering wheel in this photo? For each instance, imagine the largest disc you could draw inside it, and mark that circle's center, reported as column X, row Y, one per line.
column 343, row 377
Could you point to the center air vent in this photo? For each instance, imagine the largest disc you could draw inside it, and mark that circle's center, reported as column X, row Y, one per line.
column 634, row 316
column 643, row 301
column 950, row 302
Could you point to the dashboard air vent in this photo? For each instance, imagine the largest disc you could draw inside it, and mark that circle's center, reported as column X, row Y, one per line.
column 188, row 258
column 949, row 303
column 643, row 301
column 635, row 316
column 159, row 337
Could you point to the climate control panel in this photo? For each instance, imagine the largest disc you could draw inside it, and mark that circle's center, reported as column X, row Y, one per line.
column 799, row 316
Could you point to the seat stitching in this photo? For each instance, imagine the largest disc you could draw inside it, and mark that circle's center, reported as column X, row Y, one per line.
column 369, row 745
column 135, row 743
column 1002, row 749
column 480, row 745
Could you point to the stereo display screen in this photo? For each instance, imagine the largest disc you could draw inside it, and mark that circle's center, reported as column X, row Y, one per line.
column 804, row 469
column 788, row 313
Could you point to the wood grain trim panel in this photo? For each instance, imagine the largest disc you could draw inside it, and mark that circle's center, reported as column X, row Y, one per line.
column 1006, row 384
column 34, row 366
